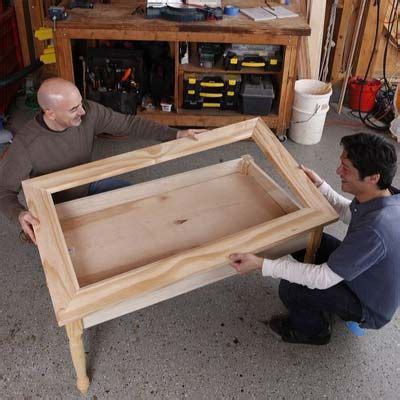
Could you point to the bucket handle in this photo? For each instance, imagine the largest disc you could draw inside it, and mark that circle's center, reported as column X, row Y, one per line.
column 317, row 107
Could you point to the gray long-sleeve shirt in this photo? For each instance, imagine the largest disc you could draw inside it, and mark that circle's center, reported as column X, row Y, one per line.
column 37, row 150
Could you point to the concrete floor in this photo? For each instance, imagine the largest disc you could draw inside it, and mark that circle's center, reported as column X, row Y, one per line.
column 207, row 344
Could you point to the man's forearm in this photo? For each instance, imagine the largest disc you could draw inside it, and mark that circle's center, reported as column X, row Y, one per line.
column 109, row 121
column 337, row 201
column 10, row 206
column 310, row 275
column 154, row 130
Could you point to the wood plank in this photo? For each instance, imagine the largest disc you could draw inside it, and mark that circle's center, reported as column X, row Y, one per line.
column 162, row 294
column 304, row 69
column 63, row 51
column 179, row 267
column 317, row 19
column 337, row 70
column 191, row 283
column 288, row 81
column 274, row 190
column 393, row 53
column 138, row 159
column 22, row 31
column 131, row 34
column 205, row 118
column 57, row 266
column 308, row 194
column 36, row 14
column 163, row 225
column 177, row 89
column 355, row 38
column 368, row 35
column 115, row 198
column 119, row 18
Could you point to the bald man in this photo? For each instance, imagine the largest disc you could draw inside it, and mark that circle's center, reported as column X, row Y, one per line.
column 61, row 136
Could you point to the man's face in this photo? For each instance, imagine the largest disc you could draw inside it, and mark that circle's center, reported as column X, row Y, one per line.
column 69, row 112
column 349, row 175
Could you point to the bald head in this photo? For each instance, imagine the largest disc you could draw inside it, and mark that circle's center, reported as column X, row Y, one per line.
column 55, row 91
column 61, row 104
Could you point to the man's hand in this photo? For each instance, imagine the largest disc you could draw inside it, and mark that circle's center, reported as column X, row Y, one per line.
column 313, row 176
column 245, row 262
column 190, row 133
column 27, row 222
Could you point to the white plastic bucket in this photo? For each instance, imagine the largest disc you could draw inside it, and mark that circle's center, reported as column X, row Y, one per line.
column 309, row 111
column 305, row 127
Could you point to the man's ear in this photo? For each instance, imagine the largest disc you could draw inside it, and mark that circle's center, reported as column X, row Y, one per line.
column 374, row 179
column 49, row 114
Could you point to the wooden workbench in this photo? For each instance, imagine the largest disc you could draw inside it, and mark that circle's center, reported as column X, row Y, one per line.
column 116, row 22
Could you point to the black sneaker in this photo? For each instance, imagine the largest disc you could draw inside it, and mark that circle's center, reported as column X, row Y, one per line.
column 281, row 328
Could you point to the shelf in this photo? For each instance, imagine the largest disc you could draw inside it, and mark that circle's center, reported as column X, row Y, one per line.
column 201, row 118
column 218, row 112
column 219, row 69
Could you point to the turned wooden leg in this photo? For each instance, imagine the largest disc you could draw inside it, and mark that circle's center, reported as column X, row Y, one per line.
column 74, row 332
column 314, row 240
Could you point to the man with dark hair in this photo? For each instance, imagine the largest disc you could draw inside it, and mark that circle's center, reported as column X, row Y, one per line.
column 62, row 136
column 358, row 278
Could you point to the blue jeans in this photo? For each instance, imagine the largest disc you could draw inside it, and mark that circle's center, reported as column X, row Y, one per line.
column 105, row 185
column 307, row 306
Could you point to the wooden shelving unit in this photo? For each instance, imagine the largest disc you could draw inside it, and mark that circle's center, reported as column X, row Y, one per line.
column 214, row 116
column 193, row 66
column 116, row 22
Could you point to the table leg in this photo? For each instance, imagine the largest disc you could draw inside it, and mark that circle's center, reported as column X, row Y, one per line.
column 313, row 243
column 74, row 332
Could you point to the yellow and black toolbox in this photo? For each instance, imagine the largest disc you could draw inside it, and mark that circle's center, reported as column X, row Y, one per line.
column 211, row 91
column 258, row 57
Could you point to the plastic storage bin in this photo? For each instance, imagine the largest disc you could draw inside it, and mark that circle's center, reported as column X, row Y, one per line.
column 256, row 96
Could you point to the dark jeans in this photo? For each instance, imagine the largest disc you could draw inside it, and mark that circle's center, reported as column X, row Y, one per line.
column 307, row 306
column 105, row 185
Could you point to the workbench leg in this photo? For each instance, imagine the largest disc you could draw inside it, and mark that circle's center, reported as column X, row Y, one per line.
column 74, row 332
column 64, row 55
column 287, row 88
column 314, row 240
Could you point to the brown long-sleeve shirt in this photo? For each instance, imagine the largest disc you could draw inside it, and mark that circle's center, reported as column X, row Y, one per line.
column 37, row 150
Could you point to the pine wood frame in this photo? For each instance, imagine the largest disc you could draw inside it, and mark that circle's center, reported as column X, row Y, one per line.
column 78, row 307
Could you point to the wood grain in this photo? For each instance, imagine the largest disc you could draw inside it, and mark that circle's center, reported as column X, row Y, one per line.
column 59, row 271
column 236, row 206
column 138, row 159
column 285, row 164
column 75, row 332
column 163, row 273
column 153, row 228
column 119, row 17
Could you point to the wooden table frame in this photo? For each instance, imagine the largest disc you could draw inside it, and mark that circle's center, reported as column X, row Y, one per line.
column 78, row 307
column 116, row 22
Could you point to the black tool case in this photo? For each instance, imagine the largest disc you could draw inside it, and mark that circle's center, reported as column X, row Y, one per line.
column 256, row 95
column 105, row 70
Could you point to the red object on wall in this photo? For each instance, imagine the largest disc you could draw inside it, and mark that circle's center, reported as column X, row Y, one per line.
column 362, row 93
column 10, row 55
